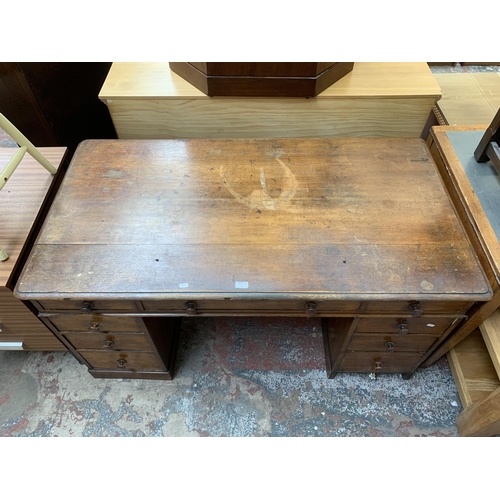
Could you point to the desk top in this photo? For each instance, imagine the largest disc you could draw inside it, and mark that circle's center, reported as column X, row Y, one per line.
column 356, row 219
column 20, row 202
column 155, row 80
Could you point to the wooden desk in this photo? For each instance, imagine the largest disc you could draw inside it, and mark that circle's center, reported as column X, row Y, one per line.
column 23, row 203
column 358, row 232
column 149, row 101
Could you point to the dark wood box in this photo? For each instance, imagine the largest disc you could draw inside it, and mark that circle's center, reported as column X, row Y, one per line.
column 262, row 79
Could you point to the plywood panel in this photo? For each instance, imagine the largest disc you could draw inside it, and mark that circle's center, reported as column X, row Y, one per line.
column 473, row 371
column 269, row 118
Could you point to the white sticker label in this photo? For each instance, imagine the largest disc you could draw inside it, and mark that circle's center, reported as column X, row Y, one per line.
column 241, row 284
column 183, row 285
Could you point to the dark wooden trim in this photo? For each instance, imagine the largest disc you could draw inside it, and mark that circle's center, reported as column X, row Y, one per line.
column 256, row 86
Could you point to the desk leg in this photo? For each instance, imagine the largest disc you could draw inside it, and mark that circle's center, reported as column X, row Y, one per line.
column 337, row 333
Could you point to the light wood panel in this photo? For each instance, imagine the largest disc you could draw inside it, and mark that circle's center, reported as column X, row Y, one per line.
column 148, row 101
column 481, row 419
column 267, row 118
column 490, row 330
column 20, row 201
column 153, row 80
column 473, row 371
column 469, row 98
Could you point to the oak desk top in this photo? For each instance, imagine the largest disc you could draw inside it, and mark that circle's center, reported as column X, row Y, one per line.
column 348, row 219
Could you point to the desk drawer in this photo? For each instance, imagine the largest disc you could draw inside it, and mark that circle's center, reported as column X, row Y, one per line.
column 379, row 362
column 122, row 360
column 251, row 307
column 109, row 341
column 87, row 305
column 431, row 326
column 97, row 323
column 416, row 308
column 391, row 343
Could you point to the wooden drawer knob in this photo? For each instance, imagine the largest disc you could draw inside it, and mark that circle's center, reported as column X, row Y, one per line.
column 378, row 365
column 191, row 308
column 311, row 308
column 416, row 309
column 389, row 346
column 403, row 327
column 94, row 326
column 108, row 344
column 122, row 363
column 86, row 307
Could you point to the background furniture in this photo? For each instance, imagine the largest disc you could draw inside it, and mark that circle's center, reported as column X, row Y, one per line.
column 149, row 101
column 23, row 204
column 475, row 189
column 56, row 103
column 468, row 98
column 144, row 232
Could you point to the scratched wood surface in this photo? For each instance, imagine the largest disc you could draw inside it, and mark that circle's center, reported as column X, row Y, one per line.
column 338, row 218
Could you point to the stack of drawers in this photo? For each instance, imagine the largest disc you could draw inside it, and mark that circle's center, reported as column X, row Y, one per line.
column 111, row 340
column 388, row 337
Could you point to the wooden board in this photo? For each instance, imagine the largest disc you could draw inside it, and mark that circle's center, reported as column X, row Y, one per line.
column 271, row 218
column 469, row 98
column 490, row 330
column 473, row 371
column 148, row 100
column 21, row 200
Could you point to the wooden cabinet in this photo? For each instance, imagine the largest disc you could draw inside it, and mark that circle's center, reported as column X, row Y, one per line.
column 150, row 101
column 144, row 233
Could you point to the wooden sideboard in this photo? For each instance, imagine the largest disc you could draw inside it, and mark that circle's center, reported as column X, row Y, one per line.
column 23, row 204
column 358, row 232
column 149, row 101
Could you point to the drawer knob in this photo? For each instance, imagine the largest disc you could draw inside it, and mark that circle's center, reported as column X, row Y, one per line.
column 389, row 346
column 378, row 365
column 311, row 308
column 107, row 344
column 86, row 307
column 122, row 363
column 94, row 327
column 416, row 309
column 403, row 327
column 191, row 308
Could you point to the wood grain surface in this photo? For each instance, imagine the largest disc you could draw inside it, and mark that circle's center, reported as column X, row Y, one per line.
column 153, row 80
column 149, row 101
column 21, row 200
column 469, row 98
column 329, row 218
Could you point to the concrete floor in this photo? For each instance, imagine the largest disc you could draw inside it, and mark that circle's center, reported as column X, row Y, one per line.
column 235, row 377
